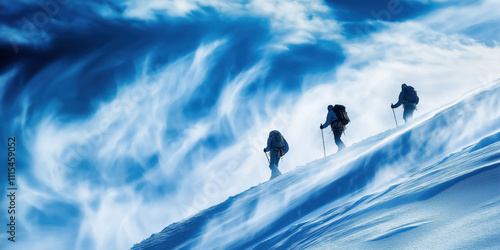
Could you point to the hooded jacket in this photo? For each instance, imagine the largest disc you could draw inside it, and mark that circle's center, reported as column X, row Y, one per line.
column 269, row 146
column 402, row 98
column 330, row 117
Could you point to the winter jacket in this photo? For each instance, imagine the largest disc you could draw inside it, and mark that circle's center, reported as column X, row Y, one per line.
column 330, row 118
column 268, row 148
column 402, row 98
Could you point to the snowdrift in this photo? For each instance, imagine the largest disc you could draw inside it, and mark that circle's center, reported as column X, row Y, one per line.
column 431, row 183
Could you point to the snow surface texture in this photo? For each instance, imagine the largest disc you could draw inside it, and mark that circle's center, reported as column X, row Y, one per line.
column 432, row 183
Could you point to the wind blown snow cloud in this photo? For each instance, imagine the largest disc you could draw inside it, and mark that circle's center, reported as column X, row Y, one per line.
column 134, row 115
column 294, row 22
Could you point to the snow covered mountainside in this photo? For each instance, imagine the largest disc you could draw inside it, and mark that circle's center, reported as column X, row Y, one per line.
column 431, row 183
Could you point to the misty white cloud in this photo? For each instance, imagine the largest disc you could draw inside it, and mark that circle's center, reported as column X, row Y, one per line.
column 132, row 125
column 455, row 19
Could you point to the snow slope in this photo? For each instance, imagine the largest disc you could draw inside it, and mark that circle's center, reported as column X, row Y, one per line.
column 432, row 183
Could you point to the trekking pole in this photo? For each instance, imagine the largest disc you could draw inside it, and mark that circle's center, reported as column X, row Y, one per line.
column 267, row 158
column 395, row 118
column 323, row 137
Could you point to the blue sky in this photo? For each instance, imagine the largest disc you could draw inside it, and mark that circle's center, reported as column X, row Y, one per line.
column 136, row 114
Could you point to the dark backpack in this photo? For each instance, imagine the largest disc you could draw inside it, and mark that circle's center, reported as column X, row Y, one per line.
column 341, row 114
column 277, row 141
column 410, row 95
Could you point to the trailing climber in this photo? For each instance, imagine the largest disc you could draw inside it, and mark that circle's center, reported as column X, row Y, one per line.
column 278, row 147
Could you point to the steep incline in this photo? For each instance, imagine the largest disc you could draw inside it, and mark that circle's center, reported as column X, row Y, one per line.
column 431, row 183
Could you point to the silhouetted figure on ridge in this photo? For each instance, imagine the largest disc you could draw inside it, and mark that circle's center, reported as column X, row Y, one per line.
column 278, row 147
column 409, row 98
column 337, row 118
